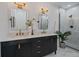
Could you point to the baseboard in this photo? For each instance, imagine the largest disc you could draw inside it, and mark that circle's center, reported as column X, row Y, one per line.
column 72, row 48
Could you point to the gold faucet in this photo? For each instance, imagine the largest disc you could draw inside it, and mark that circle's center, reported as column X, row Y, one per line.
column 19, row 33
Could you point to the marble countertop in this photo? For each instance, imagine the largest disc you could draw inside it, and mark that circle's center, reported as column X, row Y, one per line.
column 25, row 37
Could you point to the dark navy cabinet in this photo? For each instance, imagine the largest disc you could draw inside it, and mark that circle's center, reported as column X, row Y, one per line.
column 34, row 47
column 24, row 50
column 8, row 49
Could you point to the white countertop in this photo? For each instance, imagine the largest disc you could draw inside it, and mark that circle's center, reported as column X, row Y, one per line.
column 25, row 37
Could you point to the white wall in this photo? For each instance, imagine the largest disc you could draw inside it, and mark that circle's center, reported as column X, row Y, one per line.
column 33, row 9
column 63, row 20
column 3, row 21
column 0, row 49
column 52, row 14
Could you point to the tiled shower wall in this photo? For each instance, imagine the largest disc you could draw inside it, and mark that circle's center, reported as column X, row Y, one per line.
column 65, row 22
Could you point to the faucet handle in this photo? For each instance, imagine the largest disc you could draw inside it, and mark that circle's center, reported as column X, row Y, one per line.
column 19, row 31
column 22, row 33
column 16, row 34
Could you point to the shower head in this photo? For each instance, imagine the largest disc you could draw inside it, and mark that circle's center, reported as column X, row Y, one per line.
column 70, row 16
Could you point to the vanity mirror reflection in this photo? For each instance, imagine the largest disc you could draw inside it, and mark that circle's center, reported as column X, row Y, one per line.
column 43, row 20
column 18, row 19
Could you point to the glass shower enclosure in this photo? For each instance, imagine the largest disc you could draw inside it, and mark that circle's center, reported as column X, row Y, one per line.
column 69, row 21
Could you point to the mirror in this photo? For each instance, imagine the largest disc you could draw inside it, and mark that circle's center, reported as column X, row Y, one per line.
column 43, row 22
column 18, row 19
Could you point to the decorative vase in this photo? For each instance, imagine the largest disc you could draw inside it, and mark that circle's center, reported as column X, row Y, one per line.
column 29, row 30
column 62, row 44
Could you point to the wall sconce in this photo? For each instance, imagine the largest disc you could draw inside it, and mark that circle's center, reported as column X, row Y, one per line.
column 20, row 5
column 44, row 10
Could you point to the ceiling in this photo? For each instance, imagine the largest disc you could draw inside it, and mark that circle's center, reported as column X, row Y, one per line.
column 66, row 5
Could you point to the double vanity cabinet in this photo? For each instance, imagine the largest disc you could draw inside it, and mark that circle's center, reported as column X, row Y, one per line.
column 29, row 47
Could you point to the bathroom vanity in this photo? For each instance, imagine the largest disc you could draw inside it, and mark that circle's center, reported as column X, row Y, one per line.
column 29, row 46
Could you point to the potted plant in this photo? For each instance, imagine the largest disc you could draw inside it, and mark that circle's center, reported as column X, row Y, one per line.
column 63, row 37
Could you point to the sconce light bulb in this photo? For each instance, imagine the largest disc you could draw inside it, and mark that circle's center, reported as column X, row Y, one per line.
column 44, row 10
column 20, row 4
column 41, row 8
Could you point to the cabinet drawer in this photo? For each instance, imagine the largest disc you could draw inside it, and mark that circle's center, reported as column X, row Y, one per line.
column 4, row 44
column 36, row 53
column 36, row 42
column 24, row 41
column 36, row 47
column 54, row 37
column 9, row 43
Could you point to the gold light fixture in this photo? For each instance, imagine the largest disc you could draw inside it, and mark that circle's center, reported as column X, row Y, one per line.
column 44, row 10
column 20, row 5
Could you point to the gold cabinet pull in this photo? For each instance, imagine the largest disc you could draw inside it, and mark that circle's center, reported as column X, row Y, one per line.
column 39, row 41
column 19, row 46
column 38, row 51
column 38, row 46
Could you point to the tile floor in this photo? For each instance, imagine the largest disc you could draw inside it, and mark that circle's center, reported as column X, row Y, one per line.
column 65, row 52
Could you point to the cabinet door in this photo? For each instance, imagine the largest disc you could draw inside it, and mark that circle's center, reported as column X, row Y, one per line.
column 44, row 46
column 8, row 51
column 24, row 50
column 52, row 44
column 55, row 42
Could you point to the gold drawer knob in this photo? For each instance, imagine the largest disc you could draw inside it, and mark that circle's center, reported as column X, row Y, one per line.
column 38, row 46
column 38, row 41
column 19, row 46
column 38, row 52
